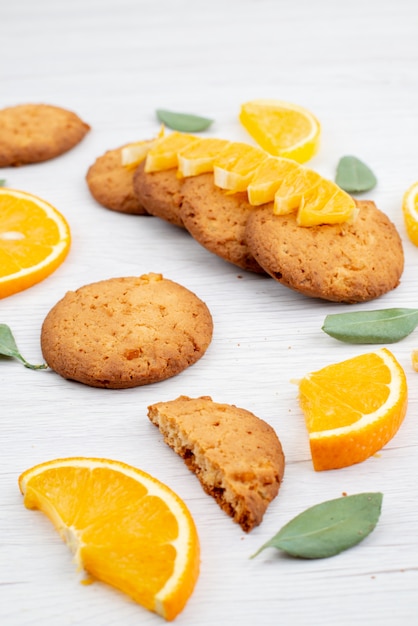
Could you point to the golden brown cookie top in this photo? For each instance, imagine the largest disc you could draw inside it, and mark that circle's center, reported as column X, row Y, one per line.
column 111, row 184
column 160, row 193
column 126, row 332
column 342, row 262
column 236, row 455
column 30, row 133
column 217, row 220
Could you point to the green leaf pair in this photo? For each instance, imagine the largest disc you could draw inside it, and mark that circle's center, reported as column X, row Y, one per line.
column 380, row 326
column 184, row 122
column 9, row 348
column 328, row 528
column 354, row 176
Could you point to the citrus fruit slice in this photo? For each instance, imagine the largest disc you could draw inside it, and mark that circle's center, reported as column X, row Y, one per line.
column 34, row 240
column 326, row 203
column 297, row 183
column 124, row 527
column 353, row 408
column 163, row 154
column 281, row 128
column 234, row 166
column 134, row 153
column 198, row 157
column 267, row 179
column 410, row 212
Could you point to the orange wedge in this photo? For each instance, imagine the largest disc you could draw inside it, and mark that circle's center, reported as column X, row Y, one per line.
column 281, row 128
column 234, row 167
column 198, row 157
column 163, row 154
column 124, row 527
column 297, row 183
column 326, row 203
column 410, row 212
column 134, row 153
column 34, row 240
column 353, row 408
column 268, row 177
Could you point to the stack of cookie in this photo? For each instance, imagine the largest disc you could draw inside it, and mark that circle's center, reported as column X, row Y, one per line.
column 353, row 261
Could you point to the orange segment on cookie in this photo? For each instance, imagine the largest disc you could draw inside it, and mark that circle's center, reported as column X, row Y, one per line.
column 198, row 157
column 325, row 203
column 235, row 165
column 268, row 177
column 163, row 154
column 293, row 187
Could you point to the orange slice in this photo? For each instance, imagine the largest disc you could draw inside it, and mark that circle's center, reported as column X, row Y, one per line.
column 297, row 183
column 198, row 157
column 34, row 240
column 353, row 408
column 124, row 527
column 234, row 167
column 410, row 212
column 281, row 128
column 134, row 153
column 326, row 203
column 163, row 154
column 267, row 178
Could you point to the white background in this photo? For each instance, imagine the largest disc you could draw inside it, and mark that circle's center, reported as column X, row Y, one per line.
column 355, row 66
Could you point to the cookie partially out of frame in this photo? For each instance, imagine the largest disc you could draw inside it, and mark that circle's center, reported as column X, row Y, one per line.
column 236, row 456
column 160, row 193
column 342, row 262
column 111, row 184
column 217, row 220
column 126, row 332
column 31, row 133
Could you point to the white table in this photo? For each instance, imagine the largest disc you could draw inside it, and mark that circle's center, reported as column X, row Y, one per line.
column 114, row 62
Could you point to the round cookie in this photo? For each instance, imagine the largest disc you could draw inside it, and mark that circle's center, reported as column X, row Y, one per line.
column 126, row 332
column 31, row 133
column 341, row 262
column 111, row 184
column 217, row 220
column 160, row 193
column 236, row 456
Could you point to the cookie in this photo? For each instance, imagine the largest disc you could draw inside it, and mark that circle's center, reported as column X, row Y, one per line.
column 111, row 184
column 126, row 332
column 160, row 193
column 236, row 456
column 31, row 133
column 342, row 262
column 217, row 220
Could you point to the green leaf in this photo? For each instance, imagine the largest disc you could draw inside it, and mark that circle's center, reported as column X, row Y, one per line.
column 328, row 528
column 2, row 182
column 184, row 122
column 9, row 348
column 380, row 326
column 354, row 176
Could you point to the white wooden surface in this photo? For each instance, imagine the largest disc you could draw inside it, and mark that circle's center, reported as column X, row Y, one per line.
column 114, row 62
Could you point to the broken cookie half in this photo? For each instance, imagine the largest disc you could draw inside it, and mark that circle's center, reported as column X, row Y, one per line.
column 236, row 456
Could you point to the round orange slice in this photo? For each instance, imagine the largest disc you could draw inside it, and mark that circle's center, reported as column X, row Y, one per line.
column 34, row 240
column 124, row 527
column 353, row 408
column 281, row 128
